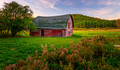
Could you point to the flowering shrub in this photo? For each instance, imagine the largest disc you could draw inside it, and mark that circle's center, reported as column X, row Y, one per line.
column 91, row 53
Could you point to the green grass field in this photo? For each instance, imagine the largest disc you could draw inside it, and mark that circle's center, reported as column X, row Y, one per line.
column 14, row 49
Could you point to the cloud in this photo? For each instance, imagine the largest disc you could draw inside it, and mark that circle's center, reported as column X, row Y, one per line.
column 82, row 1
column 66, row 2
column 109, row 2
column 2, row 1
column 99, row 12
column 101, row 2
column 114, row 16
column 103, row 13
column 106, row 9
column 88, row 2
column 48, row 3
column 43, row 3
column 38, row 6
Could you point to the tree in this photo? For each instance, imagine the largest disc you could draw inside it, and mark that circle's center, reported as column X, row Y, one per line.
column 2, row 26
column 118, row 23
column 14, row 16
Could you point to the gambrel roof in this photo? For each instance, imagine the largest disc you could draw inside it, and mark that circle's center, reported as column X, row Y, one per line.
column 54, row 22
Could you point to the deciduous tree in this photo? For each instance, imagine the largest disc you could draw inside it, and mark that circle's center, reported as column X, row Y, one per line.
column 14, row 16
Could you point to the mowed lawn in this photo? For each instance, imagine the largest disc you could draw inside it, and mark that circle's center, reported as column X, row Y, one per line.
column 14, row 49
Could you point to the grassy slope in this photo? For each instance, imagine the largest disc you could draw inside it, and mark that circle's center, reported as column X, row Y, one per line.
column 14, row 49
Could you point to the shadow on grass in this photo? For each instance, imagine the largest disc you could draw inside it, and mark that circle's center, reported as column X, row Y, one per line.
column 78, row 36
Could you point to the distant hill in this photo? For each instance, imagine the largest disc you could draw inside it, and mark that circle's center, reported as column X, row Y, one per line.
column 82, row 21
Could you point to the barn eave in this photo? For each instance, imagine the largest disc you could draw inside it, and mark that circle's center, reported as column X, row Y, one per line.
column 49, row 28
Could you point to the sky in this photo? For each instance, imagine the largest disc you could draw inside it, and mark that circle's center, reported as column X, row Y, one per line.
column 104, row 9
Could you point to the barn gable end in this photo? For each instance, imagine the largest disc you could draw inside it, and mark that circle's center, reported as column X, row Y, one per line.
column 69, row 30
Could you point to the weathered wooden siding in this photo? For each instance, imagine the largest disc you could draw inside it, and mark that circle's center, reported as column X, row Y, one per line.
column 69, row 30
column 57, row 33
column 48, row 33
column 35, row 33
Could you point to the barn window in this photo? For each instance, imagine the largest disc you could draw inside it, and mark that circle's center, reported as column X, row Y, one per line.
column 69, row 32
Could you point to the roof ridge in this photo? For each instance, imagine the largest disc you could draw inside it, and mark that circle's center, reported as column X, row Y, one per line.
column 54, row 16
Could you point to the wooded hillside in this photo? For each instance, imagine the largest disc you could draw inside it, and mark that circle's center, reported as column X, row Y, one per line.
column 82, row 21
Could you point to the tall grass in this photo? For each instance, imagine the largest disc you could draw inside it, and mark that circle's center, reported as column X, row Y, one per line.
column 96, row 53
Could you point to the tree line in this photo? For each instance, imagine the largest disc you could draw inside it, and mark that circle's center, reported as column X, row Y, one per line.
column 82, row 21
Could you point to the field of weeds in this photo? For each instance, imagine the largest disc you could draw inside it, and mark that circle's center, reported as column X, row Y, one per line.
column 14, row 49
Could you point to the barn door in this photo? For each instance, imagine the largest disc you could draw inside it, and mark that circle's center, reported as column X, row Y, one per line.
column 57, row 33
column 42, row 32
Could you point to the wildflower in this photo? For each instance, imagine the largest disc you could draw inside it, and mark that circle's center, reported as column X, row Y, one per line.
column 77, row 46
column 82, row 39
column 119, row 37
column 36, row 52
column 72, row 44
column 52, row 55
column 42, row 46
column 89, row 38
column 69, row 57
column 65, row 50
column 84, row 43
column 99, row 44
column 54, row 50
column 20, row 63
column 28, row 58
column 51, row 46
column 10, row 67
column 44, row 53
column 62, row 54
column 61, row 64
column 76, row 51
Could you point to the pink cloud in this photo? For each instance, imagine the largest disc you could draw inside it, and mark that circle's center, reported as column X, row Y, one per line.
column 104, row 13
column 66, row 2
column 88, row 2
column 49, row 3
column 82, row 1
column 109, row 2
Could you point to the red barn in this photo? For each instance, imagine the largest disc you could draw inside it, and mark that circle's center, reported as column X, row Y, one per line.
column 56, row 26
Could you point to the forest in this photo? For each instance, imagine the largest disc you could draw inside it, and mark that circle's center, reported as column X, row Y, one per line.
column 82, row 21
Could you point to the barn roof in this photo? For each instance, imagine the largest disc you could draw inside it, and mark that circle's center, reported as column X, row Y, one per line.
column 54, row 22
